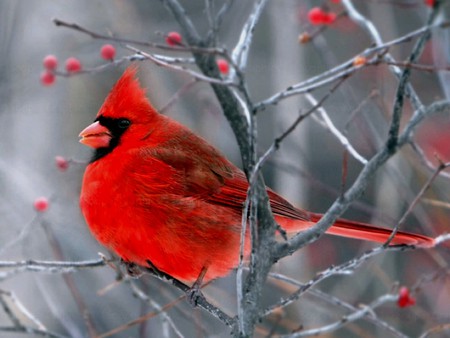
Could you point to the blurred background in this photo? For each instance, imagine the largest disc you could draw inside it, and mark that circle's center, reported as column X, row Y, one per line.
column 38, row 123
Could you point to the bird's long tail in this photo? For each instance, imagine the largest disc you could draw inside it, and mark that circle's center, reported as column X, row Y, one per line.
column 358, row 230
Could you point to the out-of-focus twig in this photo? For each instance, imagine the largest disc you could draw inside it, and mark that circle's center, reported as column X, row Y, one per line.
column 15, row 267
column 18, row 325
column 344, row 68
column 363, row 311
column 324, row 120
column 96, row 35
column 415, row 201
column 194, row 74
column 343, row 269
column 242, row 48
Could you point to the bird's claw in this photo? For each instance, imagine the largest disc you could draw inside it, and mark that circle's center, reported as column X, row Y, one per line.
column 194, row 295
column 133, row 270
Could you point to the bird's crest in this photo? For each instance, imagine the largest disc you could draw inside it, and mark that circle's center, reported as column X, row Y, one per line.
column 127, row 97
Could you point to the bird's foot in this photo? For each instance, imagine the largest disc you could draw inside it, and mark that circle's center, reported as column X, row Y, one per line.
column 194, row 294
column 133, row 270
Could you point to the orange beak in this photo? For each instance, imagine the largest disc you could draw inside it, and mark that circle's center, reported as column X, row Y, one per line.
column 95, row 136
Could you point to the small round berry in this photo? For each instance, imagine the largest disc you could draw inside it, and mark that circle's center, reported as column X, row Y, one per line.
column 47, row 78
column 108, row 52
column 430, row 3
column 173, row 39
column 404, row 297
column 73, row 65
column 329, row 18
column 41, row 204
column 316, row 15
column 61, row 163
column 359, row 61
column 50, row 62
column 223, row 65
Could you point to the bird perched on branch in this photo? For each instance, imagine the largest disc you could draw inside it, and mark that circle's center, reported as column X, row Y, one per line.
column 160, row 196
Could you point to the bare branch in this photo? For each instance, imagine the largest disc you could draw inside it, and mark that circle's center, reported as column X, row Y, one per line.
column 415, row 201
column 346, row 68
column 343, row 269
column 365, row 310
column 96, row 35
column 196, row 75
column 371, row 317
column 343, row 202
column 53, row 266
column 325, row 121
column 242, row 48
column 436, row 329
column 18, row 326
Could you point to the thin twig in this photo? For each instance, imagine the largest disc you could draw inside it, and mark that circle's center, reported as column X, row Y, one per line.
column 53, row 266
column 141, row 294
column 183, row 69
column 324, row 120
column 345, row 320
column 343, row 202
column 31, row 331
column 242, row 48
column 371, row 317
column 19, row 306
column 343, row 269
column 416, row 200
column 187, row 86
column 200, row 300
column 95, row 35
column 344, row 69
column 436, row 329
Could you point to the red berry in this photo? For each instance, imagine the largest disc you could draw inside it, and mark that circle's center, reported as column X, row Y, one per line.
column 173, row 39
column 47, row 78
column 315, row 16
column 41, row 204
column 223, row 65
column 404, row 298
column 430, row 3
column 108, row 52
column 73, row 65
column 61, row 163
column 50, row 62
column 328, row 18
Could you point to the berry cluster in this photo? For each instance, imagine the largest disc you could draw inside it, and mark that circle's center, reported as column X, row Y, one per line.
column 72, row 64
column 317, row 16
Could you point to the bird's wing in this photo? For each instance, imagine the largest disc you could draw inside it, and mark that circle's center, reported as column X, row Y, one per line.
column 209, row 176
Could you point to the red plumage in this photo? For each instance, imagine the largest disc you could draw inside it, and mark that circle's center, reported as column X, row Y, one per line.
column 157, row 192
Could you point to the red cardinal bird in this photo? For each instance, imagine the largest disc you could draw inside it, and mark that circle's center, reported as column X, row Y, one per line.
column 156, row 192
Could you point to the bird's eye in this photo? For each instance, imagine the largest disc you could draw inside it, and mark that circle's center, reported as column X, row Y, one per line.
column 123, row 123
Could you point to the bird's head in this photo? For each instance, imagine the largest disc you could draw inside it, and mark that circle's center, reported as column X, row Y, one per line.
column 125, row 117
